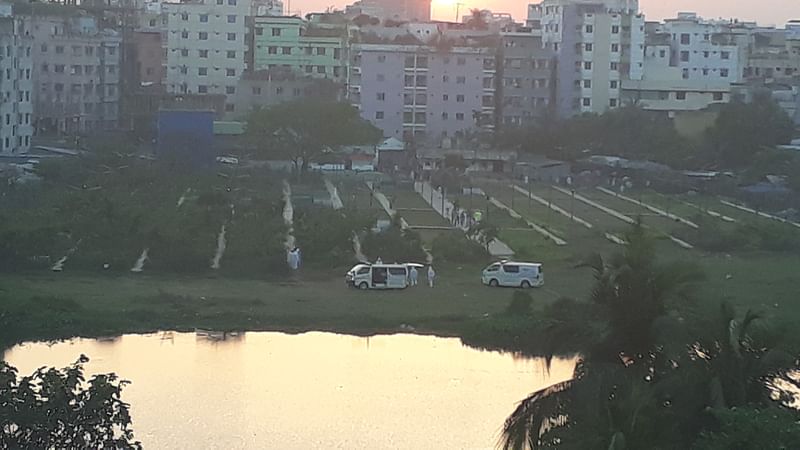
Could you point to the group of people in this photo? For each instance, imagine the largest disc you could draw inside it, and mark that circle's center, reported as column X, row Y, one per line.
column 462, row 218
column 413, row 276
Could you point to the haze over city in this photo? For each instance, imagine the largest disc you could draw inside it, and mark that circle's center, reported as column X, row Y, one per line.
column 776, row 12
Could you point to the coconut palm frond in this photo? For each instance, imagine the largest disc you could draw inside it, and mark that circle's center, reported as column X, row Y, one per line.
column 533, row 417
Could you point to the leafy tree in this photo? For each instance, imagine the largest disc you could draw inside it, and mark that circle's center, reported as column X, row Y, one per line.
column 744, row 129
column 303, row 131
column 59, row 408
column 484, row 233
column 752, row 428
column 477, row 20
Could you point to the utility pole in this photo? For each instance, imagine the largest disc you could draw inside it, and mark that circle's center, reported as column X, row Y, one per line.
column 458, row 11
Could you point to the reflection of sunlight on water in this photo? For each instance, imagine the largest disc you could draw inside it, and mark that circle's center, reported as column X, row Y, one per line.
column 399, row 392
column 787, row 389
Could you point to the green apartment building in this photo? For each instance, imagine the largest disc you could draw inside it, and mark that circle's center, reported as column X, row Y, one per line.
column 291, row 42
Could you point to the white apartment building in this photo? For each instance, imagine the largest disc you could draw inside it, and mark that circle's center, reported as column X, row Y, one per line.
column 704, row 50
column 16, row 85
column 598, row 44
column 663, row 89
column 205, row 46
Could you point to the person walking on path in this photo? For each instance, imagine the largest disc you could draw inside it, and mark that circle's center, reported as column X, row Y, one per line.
column 431, row 276
column 413, row 276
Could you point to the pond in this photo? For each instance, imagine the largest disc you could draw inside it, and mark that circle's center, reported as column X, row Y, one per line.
column 307, row 391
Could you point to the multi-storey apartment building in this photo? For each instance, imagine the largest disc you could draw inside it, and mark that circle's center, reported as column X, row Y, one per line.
column 598, row 44
column 76, row 73
column 290, row 42
column 704, row 50
column 16, row 120
column 416, row 92
column 401, row 10
column 205, row 46
column 527, row 77
column 265, row 88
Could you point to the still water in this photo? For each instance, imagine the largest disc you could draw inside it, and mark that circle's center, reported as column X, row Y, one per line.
column 308, row 391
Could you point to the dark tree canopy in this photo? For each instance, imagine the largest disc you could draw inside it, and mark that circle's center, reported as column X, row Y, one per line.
column 59, row 408
column 744, row 129
column 302, row 131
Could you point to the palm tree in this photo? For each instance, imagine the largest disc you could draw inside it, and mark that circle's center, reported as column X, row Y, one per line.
column 632, row 293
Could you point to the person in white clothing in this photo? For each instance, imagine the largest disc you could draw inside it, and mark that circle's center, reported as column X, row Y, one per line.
column 413, row 276
column 431, row 276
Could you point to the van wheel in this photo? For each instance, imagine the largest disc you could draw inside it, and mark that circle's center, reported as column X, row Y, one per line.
column 526, row 284
column 363, row 286
column 494, row 283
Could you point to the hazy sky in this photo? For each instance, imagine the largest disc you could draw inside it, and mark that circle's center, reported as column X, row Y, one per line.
column 766, row 12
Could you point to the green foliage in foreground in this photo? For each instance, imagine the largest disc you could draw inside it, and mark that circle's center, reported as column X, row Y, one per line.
column 653, row 375
column 60, row 408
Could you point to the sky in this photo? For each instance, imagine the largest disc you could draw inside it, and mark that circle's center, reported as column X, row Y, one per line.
column 766, row 12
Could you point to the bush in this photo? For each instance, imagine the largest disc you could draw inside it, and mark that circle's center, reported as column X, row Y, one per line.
column 394, row 245
column 520, row 304
column 325, row 236
column 452, row 247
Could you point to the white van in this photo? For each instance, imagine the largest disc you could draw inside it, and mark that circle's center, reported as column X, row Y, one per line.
column 378, row 276
column 513, row 274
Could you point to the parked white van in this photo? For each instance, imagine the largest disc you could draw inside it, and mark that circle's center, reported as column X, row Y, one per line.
column 378, row 276
column 513, row 274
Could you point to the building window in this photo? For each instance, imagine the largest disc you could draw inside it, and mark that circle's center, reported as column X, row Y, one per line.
column 588, row 65
column 381, row 96
column 203, row 35
column 185, row 34
column 296, row 92
column 231, row 2
column 587, row 101
column 612, row 103
column 589, row 28
column 184, row 70
column 461, row 61
column 230, row 72
column 202, row 71
column 45, row 68
column 256, row 90
column 587, row 84
column 725, row 55
column 203, row 53
column 686, row 39
column 614, row 84
column 259, row 31
column 685, row 74
column 231, row 18
column 706, row 54
column 461, row 80
column 381, row 58
column 59, row 49
column 185, row 16
column 718, row 96
column 379, row 115
column 184, row 52
column 588, row 47
column 272, row 50
column 705, row 72
column 685, row 56
column 203, row 18
column 59, row 68
column 44, row 48
column 309, row 69
column 662, row 54
column 445, row 97
column 286, row 50
column 460, row 98
column 615, row 48
column 276, row 31
column 231, row 54
column 445, row 116
column 202, row 89
column 615, row 29
column 723, row 73
column 230, row 90
column 460, row 116
column 320, row 69
column 680, row 95
column 231, row 36
column 229, row 107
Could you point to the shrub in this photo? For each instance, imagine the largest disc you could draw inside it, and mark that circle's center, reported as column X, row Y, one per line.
column 394, row 245
column 452, row 247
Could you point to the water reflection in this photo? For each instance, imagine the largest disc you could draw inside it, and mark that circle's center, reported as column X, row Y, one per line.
column 308, row 391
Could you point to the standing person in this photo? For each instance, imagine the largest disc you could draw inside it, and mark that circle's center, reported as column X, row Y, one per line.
column 413, row 275
column 431, row 276
column 379, row 260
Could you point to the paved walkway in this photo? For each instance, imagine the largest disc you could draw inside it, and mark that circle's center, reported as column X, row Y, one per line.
column 651, row 208
column 384, row 202
column 336, row 201
column 547, row 234
column 497, row 248
column 550, row 205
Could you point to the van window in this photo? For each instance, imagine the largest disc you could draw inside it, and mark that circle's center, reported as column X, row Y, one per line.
column 363, row 271
column 511, row 269
column 398, row 271
column 493, row 268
